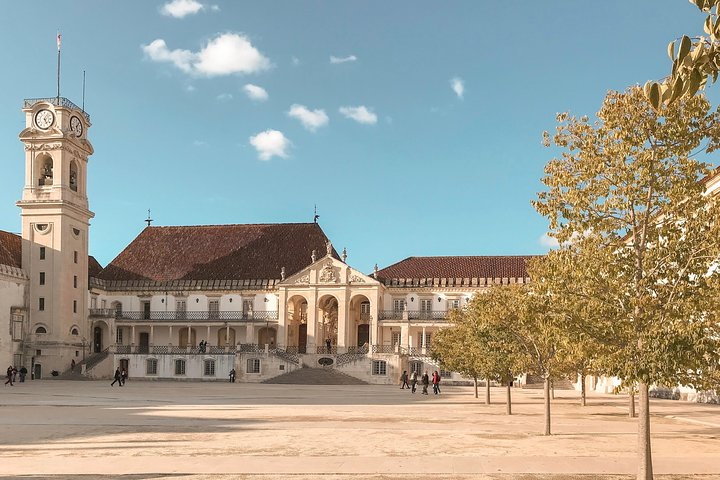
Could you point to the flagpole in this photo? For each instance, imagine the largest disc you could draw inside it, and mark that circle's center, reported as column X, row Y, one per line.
column 58, row 68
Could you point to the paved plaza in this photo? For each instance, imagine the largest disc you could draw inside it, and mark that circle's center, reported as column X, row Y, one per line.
column 188, row 430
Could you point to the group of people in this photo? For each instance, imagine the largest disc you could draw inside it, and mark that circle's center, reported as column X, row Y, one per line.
column 424, row 380
column 12, row 374
column 202, row 346
column 119, row 377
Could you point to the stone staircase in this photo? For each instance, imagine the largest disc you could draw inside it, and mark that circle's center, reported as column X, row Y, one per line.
column 89, row 363
column 315, row 376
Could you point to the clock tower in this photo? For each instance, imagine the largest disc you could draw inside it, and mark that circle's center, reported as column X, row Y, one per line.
column 55, row 220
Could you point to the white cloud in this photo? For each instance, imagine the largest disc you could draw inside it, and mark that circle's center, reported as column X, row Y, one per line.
column 199, row 143
column 270, row 143
column 458, row 86
column 215, row 8
column 224, row 97
column 349, row 58
column 295, row 61
column 255, row 93
column 548, row 241
column 225, row 54
column 360, row 114
column 181, row 8
column 190, row 88
column 311, row 119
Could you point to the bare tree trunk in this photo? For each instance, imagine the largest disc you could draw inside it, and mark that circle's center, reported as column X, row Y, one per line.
column 547, row 405
column 509, row 400
column 645, row 470
column 631, row 411
column 476, row 391
column 487, row 391
column 583, row 395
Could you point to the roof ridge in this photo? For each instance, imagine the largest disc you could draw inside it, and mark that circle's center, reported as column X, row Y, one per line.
column 233, row 225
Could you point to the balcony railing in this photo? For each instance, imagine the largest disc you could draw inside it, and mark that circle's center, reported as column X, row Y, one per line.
column 201, row 316
column 173, row 350
column 102, row 312
column 413, row 315
column 57, row 101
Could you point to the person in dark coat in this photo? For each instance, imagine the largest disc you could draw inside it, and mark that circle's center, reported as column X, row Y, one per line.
column 72, row 365
column 9, row 376
column 23, row 372
column 404, row 380
column 118, row 377
column 232, row 376
column 425, row 382
column 123, row 377
column 413, row 381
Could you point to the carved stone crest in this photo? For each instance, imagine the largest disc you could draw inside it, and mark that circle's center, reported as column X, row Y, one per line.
column 303, row 279
column 357, row 279
column 327, row 274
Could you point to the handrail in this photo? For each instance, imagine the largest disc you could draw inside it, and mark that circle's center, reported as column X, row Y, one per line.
column 204, row 315
column 57, row 101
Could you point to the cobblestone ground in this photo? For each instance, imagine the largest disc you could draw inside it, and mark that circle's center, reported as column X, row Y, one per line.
column 174, row 430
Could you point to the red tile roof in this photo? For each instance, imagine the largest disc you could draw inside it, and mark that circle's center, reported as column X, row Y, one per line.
column 217, row 252
column 10, row 249
column 458, row 267
column 94, row 267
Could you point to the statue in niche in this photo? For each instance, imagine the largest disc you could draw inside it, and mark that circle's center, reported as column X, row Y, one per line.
column 328, row 248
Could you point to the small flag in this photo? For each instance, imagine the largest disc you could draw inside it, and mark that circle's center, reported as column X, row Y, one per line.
column 58, row 40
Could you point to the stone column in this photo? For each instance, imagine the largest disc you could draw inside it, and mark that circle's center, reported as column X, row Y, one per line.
column 152, row 335
column 250, row 333
column 170, row 339
column 132, row 335
column 281, row 339
column 375, row 338
column 422, row 340
column 312, row 315
column 343, row 319
column 208, row 334
column 227, row 334
column 405, row 335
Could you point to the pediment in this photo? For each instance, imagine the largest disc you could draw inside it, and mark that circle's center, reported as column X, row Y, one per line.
column 328, row 271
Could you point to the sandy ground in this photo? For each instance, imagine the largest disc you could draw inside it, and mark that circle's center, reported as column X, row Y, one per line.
column 173, row 430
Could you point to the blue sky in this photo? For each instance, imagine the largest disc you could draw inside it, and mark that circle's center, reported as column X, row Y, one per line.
column 358, row 111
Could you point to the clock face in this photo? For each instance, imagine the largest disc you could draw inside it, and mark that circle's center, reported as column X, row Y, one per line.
column 44, row 118
column 76, row 126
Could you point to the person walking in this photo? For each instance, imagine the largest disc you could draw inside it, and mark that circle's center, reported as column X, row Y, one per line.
column 9, row 376
column 72, row 365
column 14, row 375
column 425, row 382
column 118, row 377
column 232, row 376
column 404, row 380
column 413, row 381
column 23, row 373
column 436, row 382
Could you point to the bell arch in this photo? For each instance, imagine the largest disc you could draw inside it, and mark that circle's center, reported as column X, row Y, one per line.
column 360, row 320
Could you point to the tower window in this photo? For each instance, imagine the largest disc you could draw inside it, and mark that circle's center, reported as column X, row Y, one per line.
column 73, row 177
column 74, row 281
column 40, row 330
column 74, row 306
column 46, row 173
column 42, row 253
column 41, row 304
column 75, row 256
column 42, row 278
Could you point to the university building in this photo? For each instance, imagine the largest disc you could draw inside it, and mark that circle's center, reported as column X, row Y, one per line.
column 194, row 302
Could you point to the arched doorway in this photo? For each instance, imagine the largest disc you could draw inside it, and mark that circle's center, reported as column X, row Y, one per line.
column 326, row 333
column 225, row 339
column 97, row 339
column 360, row 320
column 297, row 323
column 267, row 336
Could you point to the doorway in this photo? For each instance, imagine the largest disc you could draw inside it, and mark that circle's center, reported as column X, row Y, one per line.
column 124, row 364
column 302, row 338
column 363, row 334
column 97, row 340
column 144, row 343
column 37, row 373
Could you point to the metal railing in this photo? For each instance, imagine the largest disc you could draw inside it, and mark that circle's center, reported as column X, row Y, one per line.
column 413, row 315
column 324, row 349
column 353, row 354
column 200, row 316
column 384, row 349
column 57, row 101
column 102, row 312
column 365, row 317
column 285, row 355
column 390, row 314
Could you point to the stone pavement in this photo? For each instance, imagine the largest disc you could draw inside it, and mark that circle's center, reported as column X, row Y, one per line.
column 222, row 430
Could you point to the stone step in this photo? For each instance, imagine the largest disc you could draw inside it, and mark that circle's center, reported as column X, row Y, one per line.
column 315, row 376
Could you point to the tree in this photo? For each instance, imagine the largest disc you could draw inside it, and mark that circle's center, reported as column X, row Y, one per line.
column 626, row 197
column 694, row 60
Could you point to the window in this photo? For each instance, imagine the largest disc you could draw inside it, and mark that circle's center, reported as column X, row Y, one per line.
column 209, row 370
column 118, row 308
column 74, row 331
column 41, row 304
column 77, row 353
column 74, row 306
column 399, row 305
column 453, row 304
column 427, row 340
column 42, row 278
column 416, row 367
column 426, row 305
column 42, row 253
column 74, row 281
column 75, row 257
column 180, row 306
column 214, row 308
column 93, row 302
column 17, row 327
column 253, row 365
column 38, row 353
column 118, row 335
column 445, row 373
column 179, row 367
column 379, row 367
column 40, row 330
column 365, row 308
column 151, row 366
column 247, row 308
column 103, row 304
column 146, row 310
column 395, row 338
